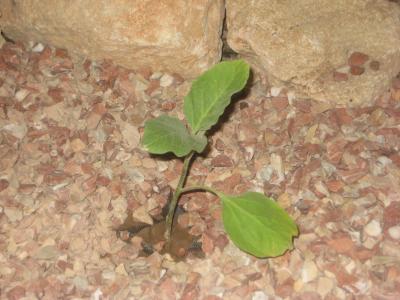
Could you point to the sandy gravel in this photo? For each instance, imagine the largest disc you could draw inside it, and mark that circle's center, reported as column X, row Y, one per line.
column 71, row 166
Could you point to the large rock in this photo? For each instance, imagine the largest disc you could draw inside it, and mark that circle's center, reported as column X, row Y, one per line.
column 179, row 36
column 306, row 44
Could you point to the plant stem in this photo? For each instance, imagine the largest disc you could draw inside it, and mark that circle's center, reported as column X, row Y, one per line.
column 175, row 197
column 198, row 187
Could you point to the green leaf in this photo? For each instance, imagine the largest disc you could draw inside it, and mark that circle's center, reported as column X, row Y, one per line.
column 168, row 134
column 257, row 224
column 211, row 93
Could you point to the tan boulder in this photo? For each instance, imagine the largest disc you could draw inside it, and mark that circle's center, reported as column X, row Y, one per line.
column 178, row 36
column 308, row 45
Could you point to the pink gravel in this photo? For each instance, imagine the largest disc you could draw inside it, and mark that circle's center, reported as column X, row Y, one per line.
column 71, row 166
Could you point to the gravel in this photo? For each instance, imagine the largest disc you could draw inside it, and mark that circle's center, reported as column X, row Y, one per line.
column 71, row 166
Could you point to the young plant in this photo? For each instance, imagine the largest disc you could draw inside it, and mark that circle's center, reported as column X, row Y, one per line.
column 255, row 223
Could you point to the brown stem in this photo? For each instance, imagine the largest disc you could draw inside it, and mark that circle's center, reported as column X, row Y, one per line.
column 175, row 197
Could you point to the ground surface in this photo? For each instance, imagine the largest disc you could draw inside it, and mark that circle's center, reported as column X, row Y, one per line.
column 71, row 165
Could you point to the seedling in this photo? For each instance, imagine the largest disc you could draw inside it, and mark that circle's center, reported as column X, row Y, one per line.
column 255, row 223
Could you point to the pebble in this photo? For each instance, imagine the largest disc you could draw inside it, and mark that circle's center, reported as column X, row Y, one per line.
column 342, row 244
column 108, row 275
column 394, row 232
column 135, row 175
column 77, row 244
column 259, row 295
column 17, row 130
column 16, row 292
column 337, row 76
column 77, row 145
column 384, row 161
column 373, row 228
column 291, row 95
column 142, row 215
column 120, row 270
column 350, row 267
column 370, row 242
column 389, row 248
column 325, row 286
column 97, row 295
column 47, row 252
column 149, row 163
column 357, row 59
column 21, row 94
column 3, row 184
column 168, row 106
column 131, row 135
column 166, row 80
column 356, row 70
column 156, row 75
column 321, row 188
column 280, row 103
column 275, row 91
column 39, row 47
column 123, row 156
column 309, row 271
column 141, row 86
column 343, row 69
column 265, row 173
column 161, row 166
column 219, row 145
column 80, row 282
column 249, row 153
column 374, row 65
column 334, row 185
column 13, row 214
column 221, row 161
column 277, row 165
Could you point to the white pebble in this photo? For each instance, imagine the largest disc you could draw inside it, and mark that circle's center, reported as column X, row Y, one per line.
column 21, row 94
column 97, row 295
column 249, row 153
column 394, row 232
column 162, row 166
column 166, row 80
column 156, row 75
column 384, row 161
column 309, row 271
column 259, row 295
column 38, row 47
column 277, row 165
column 80, row 282
column 275, row 91
column 108, row 275
column 373, row 228
column 265, row 173
column 135, row 175
column 344, row 69
column 350, row 267
column 291, row 97
column 370, row 242
column 17, row 130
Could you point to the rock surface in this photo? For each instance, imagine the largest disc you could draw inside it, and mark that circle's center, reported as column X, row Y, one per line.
column 180, row 36
column 308, row 44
